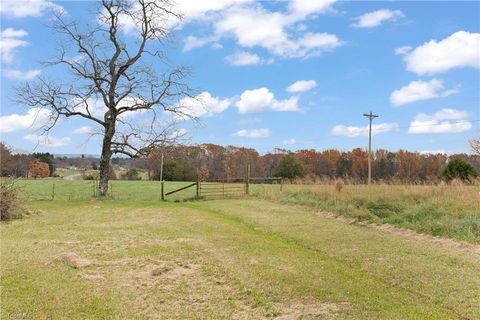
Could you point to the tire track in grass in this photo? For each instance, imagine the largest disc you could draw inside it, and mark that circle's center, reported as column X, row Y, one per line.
column 299, row 243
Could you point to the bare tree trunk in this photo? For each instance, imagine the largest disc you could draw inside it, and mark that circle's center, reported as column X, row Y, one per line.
column 105, row 160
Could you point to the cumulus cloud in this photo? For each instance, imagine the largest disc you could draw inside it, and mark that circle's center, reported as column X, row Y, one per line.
column 28, row 8
column 254, row 26
column 307, row 7
column 376, row 18
column 200, row 10
column 444, row 121
column 22, row 75
column 420, row 90
column 351, row 131
column 202, row 105
column 461, row 49
column 10, row 40
column 302, row 86
column 262, row 99
column 84, row 130
column 47, row 141
column 244, row 58
column 34, row 119
column 253, row 133
column 289, row 141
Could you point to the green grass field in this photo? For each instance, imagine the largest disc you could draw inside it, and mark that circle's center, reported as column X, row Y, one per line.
column 271, row 255
column 446, row 211
column 245, row 258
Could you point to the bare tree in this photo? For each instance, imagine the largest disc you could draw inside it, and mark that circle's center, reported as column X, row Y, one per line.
column 115, row 76
column 475, row 145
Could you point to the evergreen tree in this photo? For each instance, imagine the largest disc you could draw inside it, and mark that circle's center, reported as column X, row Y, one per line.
column 458, row 168
column 289, row 167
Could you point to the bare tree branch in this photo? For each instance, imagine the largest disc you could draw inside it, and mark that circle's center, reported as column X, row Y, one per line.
column 109, row 81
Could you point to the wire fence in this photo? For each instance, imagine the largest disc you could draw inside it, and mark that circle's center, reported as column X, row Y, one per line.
column 57, row 189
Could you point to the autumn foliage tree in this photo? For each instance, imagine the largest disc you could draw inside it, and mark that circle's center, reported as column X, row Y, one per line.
column 7, row 165
column 38, row 169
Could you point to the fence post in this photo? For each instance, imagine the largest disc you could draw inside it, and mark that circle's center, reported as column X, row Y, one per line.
column 223, row 189
column 162, row 191
column 53, row 191
column 198, row 188
column 247, row 185
column 281, row 185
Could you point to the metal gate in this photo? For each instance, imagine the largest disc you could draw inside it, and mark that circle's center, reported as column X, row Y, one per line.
column 222, row 188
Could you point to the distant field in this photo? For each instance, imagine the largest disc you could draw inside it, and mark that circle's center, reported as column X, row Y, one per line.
column 42, row 189
column 447, row 211
column 240, row 259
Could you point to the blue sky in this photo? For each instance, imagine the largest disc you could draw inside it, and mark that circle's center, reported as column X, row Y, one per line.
column 295, row 75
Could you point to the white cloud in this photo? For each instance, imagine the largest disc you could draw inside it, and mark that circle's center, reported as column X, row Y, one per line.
column 93, row 105
column 203, row 104
column 253, row 133
column 178, row 133
column 351, row 131
column 84, row 130
column 433, row 152
column 420, row 90
column 47, row 141
column 244, row 58
column 34, row 119
column 302, row 86
column 262, row 99
column 199, row 10
column 375, row 18
column 22, row 75
column 28, row 8
column 306, row 7
column 444, row 121
column 254, row 26
column 461, row 49
column 9, row 41
column 257, row 27
column 289, row 141
column 192, row 42
column 402, row 50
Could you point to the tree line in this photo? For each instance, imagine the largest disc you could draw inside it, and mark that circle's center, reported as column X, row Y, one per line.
column 218, row 162
column 212, row 162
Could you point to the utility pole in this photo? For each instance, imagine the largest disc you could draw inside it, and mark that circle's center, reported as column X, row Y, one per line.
column 370, row 117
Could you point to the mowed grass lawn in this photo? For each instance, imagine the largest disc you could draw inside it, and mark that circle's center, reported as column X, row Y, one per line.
column 244, row 259
column 449, row 211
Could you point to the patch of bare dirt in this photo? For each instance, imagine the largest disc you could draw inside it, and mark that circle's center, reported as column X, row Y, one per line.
column 407, row 233
column 298, row 309
column 158, row 289
column 71, row 259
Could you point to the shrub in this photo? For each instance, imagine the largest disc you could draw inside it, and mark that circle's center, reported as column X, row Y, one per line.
column 39, row 169
column 10, row 204
column 458, row 168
